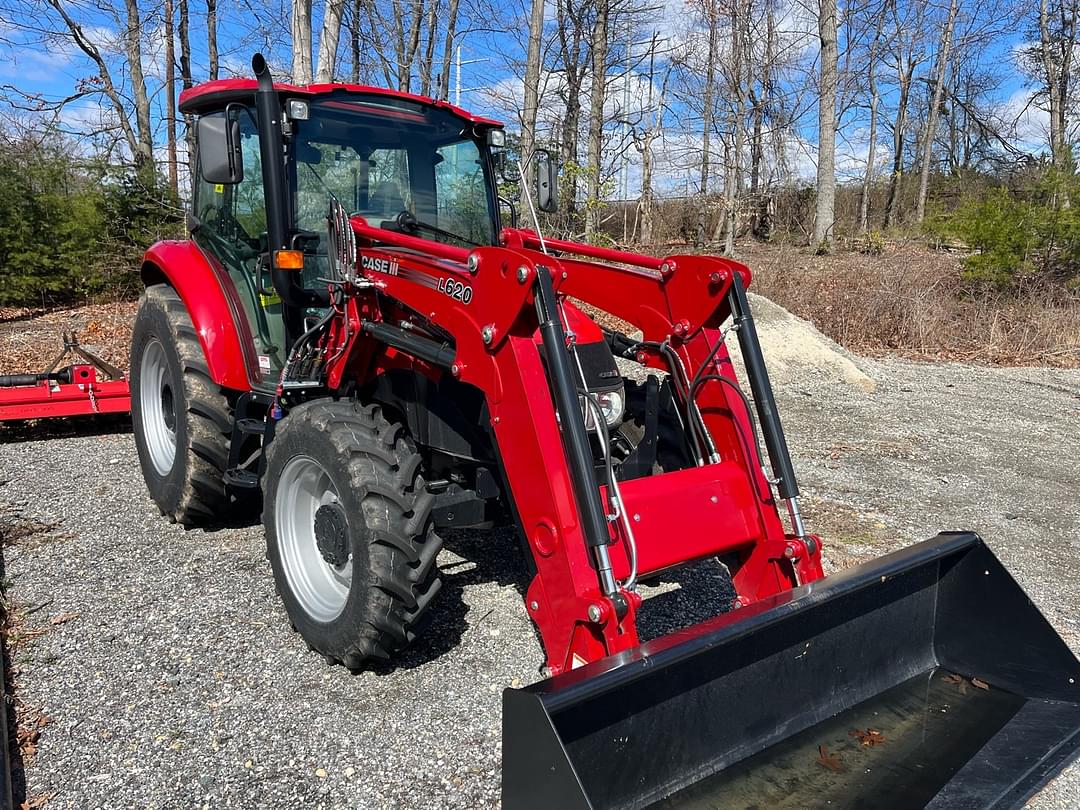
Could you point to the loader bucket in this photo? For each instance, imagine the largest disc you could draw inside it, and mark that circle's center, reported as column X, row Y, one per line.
column 924, row 678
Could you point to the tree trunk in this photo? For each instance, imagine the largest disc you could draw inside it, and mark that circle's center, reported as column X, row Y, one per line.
column 144, row 156
column 871, row 149
column 756, row 145
column 899, row 125
column 412, row 45
column 328, row 40
column 1057, row 50
column 645, row 202
column 734, row 143
column 532, row 98
column 448, row 49
column 826, row 168
column 571, row 124
column 707, row 124
column 596, row 119
column 427, row 65
column 354, row 38
column 186, row 79
column 1051, row 74
column 170, row 96
column 211, row 38
column 935, row 104
column 301, row 42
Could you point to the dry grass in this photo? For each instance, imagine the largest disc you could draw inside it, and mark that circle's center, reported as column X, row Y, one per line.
column 908, row 301
column 911, row 301
column 31, row 339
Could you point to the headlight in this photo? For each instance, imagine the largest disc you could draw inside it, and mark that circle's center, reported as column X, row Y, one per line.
column 611, row 406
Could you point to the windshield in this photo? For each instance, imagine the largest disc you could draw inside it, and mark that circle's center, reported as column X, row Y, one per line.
column 400, row 165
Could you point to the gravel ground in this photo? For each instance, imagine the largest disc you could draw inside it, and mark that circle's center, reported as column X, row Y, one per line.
column 180, row 684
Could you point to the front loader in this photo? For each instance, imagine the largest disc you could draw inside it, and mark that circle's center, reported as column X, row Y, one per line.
column 360, row 338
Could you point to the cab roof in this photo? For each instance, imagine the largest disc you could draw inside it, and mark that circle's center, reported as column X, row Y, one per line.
column 214, row 95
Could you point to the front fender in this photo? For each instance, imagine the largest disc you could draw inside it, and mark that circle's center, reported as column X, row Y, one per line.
column 181, row 265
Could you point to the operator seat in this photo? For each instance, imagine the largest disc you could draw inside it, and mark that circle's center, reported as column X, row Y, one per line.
column 386, row 201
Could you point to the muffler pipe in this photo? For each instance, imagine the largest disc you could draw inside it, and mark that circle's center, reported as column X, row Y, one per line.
column 275, row 194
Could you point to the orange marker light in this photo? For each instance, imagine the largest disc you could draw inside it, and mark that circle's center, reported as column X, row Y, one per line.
column 289, row 259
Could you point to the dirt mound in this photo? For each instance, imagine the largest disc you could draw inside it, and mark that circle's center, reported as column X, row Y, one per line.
column 796, row 351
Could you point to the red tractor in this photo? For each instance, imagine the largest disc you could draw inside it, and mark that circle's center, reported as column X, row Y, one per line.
column 358, row 333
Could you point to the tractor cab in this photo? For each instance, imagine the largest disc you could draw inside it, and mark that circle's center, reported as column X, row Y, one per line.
column 401, row 162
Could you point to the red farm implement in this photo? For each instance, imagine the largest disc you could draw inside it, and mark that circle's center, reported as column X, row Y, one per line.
column 359, row 331
column 85, row 387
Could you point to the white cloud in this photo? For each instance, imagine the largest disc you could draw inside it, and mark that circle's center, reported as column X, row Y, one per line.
column 1030, row 122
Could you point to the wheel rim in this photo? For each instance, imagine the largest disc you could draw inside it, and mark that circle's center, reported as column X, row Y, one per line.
column 158, row 407
column 320, row 587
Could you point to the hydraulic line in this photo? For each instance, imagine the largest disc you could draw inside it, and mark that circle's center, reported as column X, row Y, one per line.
column 614, row 493
column 692, row 411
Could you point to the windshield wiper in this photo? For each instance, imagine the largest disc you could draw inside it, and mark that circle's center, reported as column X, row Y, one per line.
column 407, row 222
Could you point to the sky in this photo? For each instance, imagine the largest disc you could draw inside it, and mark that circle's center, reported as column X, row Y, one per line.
column 52, row 67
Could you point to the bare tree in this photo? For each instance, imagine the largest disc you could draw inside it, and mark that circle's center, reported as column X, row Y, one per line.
column 448, row 49
column 908, row 55
column 532, row 95
column 712, row 18
column 738, row 21
column 875, row 100
column 645, row 128
column 186, row 79
column 1057, row 44
column 301, row 42
column 170, row 96
column 826, row 167
column 935, row 106
column 133, row 34
column 571, row 62
column 427, row 63
column 328, row 40
column 211, row 39
column 593, row 166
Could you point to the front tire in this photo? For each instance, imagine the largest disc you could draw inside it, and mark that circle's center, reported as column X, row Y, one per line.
column 349, row 531
column 182, row 420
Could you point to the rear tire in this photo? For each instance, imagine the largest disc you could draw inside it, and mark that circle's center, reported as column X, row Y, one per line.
column 349, row 531
column 183, row 421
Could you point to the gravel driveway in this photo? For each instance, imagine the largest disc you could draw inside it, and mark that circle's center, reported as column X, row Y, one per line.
column 179, row 683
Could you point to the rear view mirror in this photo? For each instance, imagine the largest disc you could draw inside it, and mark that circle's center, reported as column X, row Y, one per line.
column 219, row 150
column 547, row 182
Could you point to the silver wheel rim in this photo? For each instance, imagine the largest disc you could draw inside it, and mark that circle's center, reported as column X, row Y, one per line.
column 157, row 402
column 319, row 587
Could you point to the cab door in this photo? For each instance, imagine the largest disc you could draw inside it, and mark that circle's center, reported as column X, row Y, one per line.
column 231, row 227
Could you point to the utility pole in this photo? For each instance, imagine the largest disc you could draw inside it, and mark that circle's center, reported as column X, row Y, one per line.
column 458, row 62
column 625, row 173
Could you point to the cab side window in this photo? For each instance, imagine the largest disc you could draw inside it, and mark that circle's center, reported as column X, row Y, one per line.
column 232, row 227
column 235, row 216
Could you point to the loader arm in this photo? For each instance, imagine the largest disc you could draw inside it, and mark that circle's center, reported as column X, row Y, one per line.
column 486, row 300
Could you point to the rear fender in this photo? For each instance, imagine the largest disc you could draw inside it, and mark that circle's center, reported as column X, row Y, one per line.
column 185, row 268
